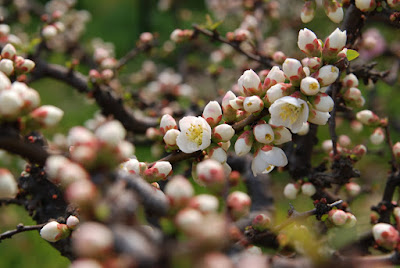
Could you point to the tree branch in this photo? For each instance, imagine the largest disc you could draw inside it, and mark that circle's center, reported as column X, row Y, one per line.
column 20, row 228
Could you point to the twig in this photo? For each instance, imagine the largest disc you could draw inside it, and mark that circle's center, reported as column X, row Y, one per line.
column 389, row 143
column 141, row 47
column 332, row 119
column 8, row 201
column 20, row 228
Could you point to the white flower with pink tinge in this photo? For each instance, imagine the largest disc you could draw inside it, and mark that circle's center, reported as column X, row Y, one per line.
column 195, row 134
column 267, row 158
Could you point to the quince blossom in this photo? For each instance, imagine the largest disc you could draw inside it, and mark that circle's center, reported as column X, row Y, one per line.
column 267, row 158
column 195, row 134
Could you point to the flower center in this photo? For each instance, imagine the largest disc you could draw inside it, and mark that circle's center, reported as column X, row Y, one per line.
column 269, row 168
column 195, row 134
column 268, row 137
column 314, row 86
column 291, row 112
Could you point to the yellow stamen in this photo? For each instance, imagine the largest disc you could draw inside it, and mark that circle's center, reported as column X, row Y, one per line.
column 290, row 111
column 268, row 137
column 314, row 86
column 195, row 134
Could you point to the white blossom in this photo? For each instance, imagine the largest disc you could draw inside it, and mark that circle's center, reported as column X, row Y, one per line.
column 195, row 134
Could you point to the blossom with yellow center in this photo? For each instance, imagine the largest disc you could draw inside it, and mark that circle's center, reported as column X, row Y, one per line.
column 290, row 112
column 263, row 133
column 195, row 134
column 267, row 158
column 309, row 86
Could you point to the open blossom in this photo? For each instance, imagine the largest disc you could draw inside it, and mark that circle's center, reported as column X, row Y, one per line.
column 290, row 112
column 267, row 158
column 263, row 133
column 253, row 104
column 195, row 134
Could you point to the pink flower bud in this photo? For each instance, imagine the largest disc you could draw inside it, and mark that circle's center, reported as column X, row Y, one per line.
column 83, row 154
column 146, row 37
column 333, row 10
column 8, row 52
column 4, row 81
column 274, row 76
column 293, row 70
column 308, row 11
column 8, row 185
column 54, row 231
column 187, row 218
column 92, row 239
column 223, row 132
column 322, row 102
column 159, row 171
column 290, row 191
column 238, row 204
column 351, row 220
column 350, row 80
column 108, row 63
column 81, row 136
column 211, row 174
column 244, row 143
column 218, row 154
column 253, row 104
column 31, row 99
column 377, row 137
column 366, row 5
column 356, row 126
column 335, row 42
column 352, row 94
column 170, row 137
column 312, row 63
column 308, row 189
column 367, row 117
column 167, row 122
column 132, row 166
column 396, row 150
column 309, row 86
column 212, row 113
column 47, row 115
column 179, row 191
column 10, row 103
column 81, row 192
column 278, row 91
column 49, row 31
column 229, row 112
column 318, row 117
column 281, row 135
column 249, row 83
column 279, row 57
column 261, row 222
column 337, row 216
column 237, row 103
column 111, row 133
column 359, row 150
column 205, row 203
column 26, row 66
column 7, row 66
column 385, row 235
column 72, row 222
column 308, row 43
column 353, row 189
column 327, row 75
column 263, row 133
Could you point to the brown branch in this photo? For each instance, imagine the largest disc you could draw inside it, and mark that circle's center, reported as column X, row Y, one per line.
column 215, row 36
column 9, row 201
column 353, row 23
column 20, row 228
column 389, row 143
column 141, row 47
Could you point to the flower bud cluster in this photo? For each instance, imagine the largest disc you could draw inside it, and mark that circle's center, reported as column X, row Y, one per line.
column 341, row 218
column 292, row 189
column 158, row 171
column 179, row 35
column 351, row 94
column 7, row 37
column 11, row 63
column 104, row 57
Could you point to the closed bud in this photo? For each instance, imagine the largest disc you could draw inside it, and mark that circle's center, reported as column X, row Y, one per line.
column 167, row 122
column 253, row 104
column 312, row 63
column 72, row 222
column 31, row 99
column 249, row 83
column 279, row 57
column 290, row 191
column 223, row 133
column 377, row 137
column 179, row 191
column 238, row 204
column 8, row 185
column 187, row 219
column 344, row 140
column 131, row 166
column 327, row 75
column 396, row 150
column 81, row 192
column 8, row 52
column 366, row 5
column 205, row 203
column 4, row 29
column 4, row 81
column 278, row 91
column 49, row 31
column 351, row 221
column 47, row 115
column 212, row 113
column 337, row 216
column 263, row 133
column 281, row 135
column 356, row 126
column 244, row 143
column 353, row 189
column 293, row 70
column 334, row 43
column 350, row 80
column 367, row 117
column 171, row 136
column 229, row 112
column 385, row 235
column 308, row 189
column 274, row 76
column 210, row 173
column 261, row 222
column 85, row 263
column 54, row 231
column 308, row 11
column 237, row 103
column 26, row 66
column 322, row 102
column 309, row 86
column 11, row 103
column 333, row 10
column 327, row 146
column 218, row 154
column 318, row 117
column 308, row 42
column 352, row 94
column 111, row 133
column 359, row 150
column 159, row 171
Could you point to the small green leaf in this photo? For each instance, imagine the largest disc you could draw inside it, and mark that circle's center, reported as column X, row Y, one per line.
column 352, row 54
column 324, row 217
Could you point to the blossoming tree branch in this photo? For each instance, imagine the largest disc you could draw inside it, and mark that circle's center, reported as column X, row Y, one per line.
column 219, row 159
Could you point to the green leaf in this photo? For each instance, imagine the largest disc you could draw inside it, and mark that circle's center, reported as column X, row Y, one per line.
column 352, row 54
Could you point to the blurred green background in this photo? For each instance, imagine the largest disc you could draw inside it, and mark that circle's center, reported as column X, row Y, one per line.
column 121, row 22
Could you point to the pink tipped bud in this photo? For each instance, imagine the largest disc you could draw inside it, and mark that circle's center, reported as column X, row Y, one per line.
column 274, row 76
column 111, row 133
column 81, row 136
column 308, row 43
column 4, row 81
column 187, row 219
column 278, row 91
column 385, row 235
column 8, row 52
column 11, row 103
column 290, row 191
column 72, row 222
column 334, row 43
column 244, row 143
column 8, row 185
column 338, row 217
column 261, row 222
column 211, row 174
column 396, row 150
column 308, row 189
column 167, row 122
column 170, row 137
column 344, row 140
column 279, row 57
column 81, row 192
column 309, row 86
column 353, row 189
column 229, row 112
column 312, row 63
column 238, row 204
column 49, row 31
column 223, row 133
column 356, row 126
column 54, row 231
column 253, row 104
column 366, row 5
column 92, row 239
column 249, row 83
column 351, row 221
column 212, row 113
column 327, row 75
column 327, row 146
column 333, row 10
column 350, row 80
column 218, row 154
column 281, row 135
column 322, row 102
column 318, row 117
column 367, row 117
column 146, row 37
column 293, row 70
column 47, row 115
column 179, row 191
column 359, row 150
column 132, row 166
column 263, row 133
column 377, row 137
column 26, row 66
column 31, row 99
column 159, row 171
column 237, row 103
column 205, row 203
column 308, row 11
